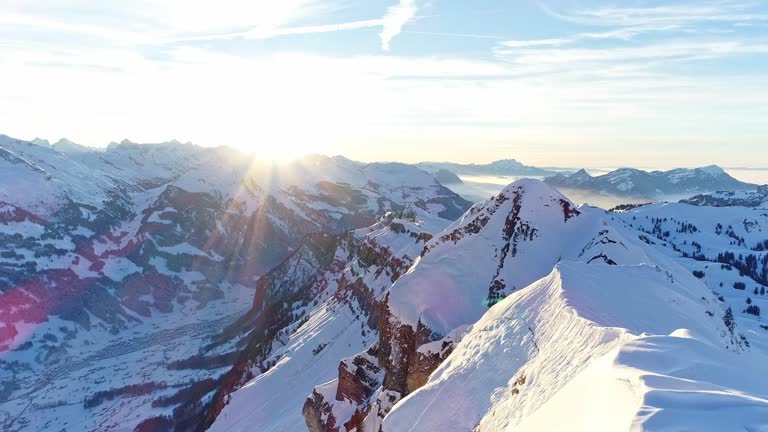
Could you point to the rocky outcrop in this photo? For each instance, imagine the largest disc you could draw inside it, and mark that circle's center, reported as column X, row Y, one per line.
column 359, row 379
column 427, row 358
column 371, row 383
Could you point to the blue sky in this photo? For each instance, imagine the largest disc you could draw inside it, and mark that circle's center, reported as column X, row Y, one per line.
column 554, row 82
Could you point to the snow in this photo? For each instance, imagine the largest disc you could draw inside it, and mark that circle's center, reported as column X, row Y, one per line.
column 182, row 249
column 712, row 170
column 444, row 273
column 273, row 400
column 26, row 228
column 155, row 216
column 582, row 324
column 117, row 268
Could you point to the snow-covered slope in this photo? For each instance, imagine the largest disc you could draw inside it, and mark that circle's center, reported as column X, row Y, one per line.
column 511, row 241
column 581, row 350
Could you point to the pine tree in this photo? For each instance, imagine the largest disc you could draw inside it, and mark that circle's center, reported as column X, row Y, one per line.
column 728, row 320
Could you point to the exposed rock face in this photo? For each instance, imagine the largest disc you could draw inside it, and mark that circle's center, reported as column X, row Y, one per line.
column 359, row 378
column 398, row 355
column 428, row 357
column 370, row 383
column 319, row 414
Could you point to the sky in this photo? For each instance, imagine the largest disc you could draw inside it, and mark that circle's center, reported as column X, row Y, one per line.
column 551, row 83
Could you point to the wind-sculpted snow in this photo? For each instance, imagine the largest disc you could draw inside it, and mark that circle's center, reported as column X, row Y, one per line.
column 523, row 352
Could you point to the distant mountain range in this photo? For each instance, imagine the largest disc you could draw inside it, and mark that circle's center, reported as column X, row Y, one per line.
column 637, row 184
column 505, row 167
column 629, row 183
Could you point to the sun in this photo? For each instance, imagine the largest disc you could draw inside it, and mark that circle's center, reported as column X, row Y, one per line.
column 292, row 141
column 281, row 152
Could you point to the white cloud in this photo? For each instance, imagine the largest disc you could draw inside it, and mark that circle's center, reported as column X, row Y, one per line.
column 675, row 15
column 336, row 104
column 686, row 50
column 618, row 34
column 397, row 16
column 272, row 32
column 681, row 33
column 154, row 21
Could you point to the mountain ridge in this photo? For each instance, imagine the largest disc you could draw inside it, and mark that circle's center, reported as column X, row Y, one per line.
column 650, row 185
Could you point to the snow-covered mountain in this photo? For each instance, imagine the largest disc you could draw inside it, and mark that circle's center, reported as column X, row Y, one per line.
column 447, row 178
column 754, row 199
column 638, row 185
column 172, row 287
column 505, row 167
column 146, row 251
column 531, row 313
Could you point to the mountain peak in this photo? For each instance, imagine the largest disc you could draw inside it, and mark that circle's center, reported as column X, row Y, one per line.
column 41, row 142
column 582, row 173
column 713, row 170
column 532, row 186
column 64, row 141
column 67, row 146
